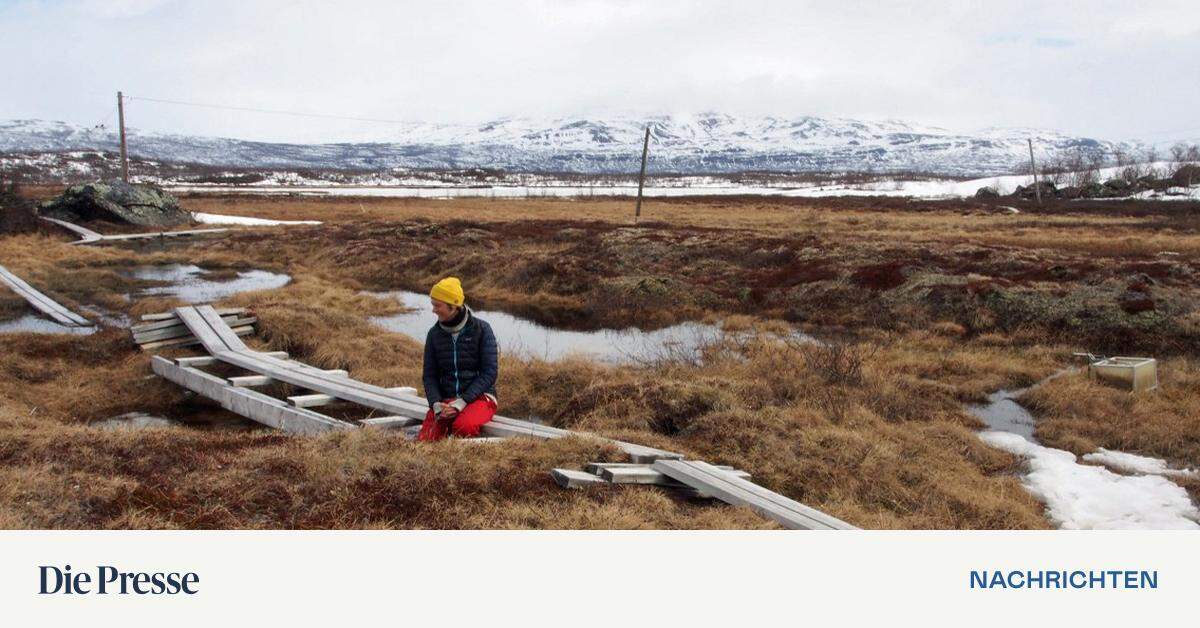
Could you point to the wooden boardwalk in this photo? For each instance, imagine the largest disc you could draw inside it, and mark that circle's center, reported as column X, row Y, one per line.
column 41, row 302
column 223, row 344
column 87, row 236
column 402, row 408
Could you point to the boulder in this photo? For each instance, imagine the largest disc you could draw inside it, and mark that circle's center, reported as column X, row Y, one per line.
column 117, row 201
column 1048, row 190
column 986, row 193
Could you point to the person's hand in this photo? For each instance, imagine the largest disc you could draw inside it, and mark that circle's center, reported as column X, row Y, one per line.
column 448, row 413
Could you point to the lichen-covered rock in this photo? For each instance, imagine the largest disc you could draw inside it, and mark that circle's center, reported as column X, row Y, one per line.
column 138, row 204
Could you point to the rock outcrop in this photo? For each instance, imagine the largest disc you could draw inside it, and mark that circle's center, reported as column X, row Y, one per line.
column 117, row 201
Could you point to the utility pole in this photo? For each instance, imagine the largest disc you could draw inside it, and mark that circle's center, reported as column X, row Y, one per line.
column 642, row 176
column 121, row 120
column 1037, row 185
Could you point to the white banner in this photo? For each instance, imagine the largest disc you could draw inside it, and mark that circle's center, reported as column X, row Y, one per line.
column 576, row 579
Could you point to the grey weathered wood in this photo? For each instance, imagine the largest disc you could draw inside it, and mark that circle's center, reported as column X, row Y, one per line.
column 188, row 341
column 172, row 316
column 403, row 404
column 248, row 403
column 87, row 236
column 203, row 332
column 595, row 468
column 181, row 331
column 648, row 475
column 734, row 490
column 390, row 422
column 310, row 401
column 41, row 302
column 570, row 478
column 203, row 360
column 210, row 316
column 250, row 381
column 173, row 321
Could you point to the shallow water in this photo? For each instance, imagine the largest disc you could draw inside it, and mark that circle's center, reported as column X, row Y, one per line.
column 1003, row 413
column 527, row 338
column 188, row 283
column 33, row 324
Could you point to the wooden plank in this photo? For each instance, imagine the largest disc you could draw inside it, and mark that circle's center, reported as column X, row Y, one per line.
column 596, row 467
column 86, row 235
column 156, row 234
column 173, row 321
column 41, row 302
column 210, row 316
column 188, row 341
column 180, row 331
column 647, row 475
column 733, row 490
column 203, row 332
column 250, row 381
column 164, row 316
column 390, row 422
column 248, row 403
column 310, row 401
column 570, row 478
column 273, row 412
column 397, row 403
column 204, row 360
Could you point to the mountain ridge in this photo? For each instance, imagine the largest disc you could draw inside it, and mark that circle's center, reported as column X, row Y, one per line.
column 707, row 143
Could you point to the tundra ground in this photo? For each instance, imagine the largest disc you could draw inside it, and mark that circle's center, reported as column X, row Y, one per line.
column 926, row 306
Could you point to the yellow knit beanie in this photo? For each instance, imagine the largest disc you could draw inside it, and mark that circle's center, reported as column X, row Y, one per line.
column 449, row 290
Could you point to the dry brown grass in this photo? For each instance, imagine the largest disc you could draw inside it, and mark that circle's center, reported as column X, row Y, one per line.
column 883, row 444
column 1080, row 414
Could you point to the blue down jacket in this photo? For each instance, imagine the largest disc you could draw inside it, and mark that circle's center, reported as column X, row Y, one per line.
column 465, row 367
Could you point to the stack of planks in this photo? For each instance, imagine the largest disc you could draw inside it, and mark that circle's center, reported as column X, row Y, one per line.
column 158, row 331
column 629, row 473
column 695, row 478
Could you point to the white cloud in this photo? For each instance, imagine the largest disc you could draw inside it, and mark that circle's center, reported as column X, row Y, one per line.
column 1113, row 70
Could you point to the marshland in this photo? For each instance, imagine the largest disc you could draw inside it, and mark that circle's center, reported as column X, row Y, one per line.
column 849, row 340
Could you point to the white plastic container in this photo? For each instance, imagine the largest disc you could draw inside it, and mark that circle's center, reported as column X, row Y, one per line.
column 1133, row 374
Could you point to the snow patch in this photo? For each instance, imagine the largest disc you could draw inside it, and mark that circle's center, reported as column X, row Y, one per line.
column 1085, row 497
column 222, row 219
column 1133, row 463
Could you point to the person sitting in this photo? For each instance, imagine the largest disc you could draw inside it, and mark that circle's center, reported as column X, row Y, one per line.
column 461, row 367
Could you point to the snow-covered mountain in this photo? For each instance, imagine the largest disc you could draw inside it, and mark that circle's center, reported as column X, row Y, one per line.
column 706, row 143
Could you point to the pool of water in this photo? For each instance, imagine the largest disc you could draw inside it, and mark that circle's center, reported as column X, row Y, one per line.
column 1003, row 413
column 524, row 337
column 33, row 324
column 190, row 283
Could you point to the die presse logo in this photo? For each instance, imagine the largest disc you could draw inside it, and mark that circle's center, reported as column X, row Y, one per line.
column 108, row 580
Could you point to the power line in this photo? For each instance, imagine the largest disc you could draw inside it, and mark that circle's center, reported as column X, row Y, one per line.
column 300, row 114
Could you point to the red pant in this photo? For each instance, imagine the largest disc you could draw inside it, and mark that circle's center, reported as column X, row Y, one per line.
column 466, row 424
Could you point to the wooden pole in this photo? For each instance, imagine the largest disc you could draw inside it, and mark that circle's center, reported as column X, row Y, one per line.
column 124, row 154
column 1037, row 185
column 637, row 213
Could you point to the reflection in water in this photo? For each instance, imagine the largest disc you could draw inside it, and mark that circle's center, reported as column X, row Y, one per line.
column 1003, row 413
column 33, row 324
column 187, row 282
column 527, row 338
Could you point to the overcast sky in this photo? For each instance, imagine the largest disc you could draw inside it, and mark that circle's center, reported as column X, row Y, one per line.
column 1114, row 70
